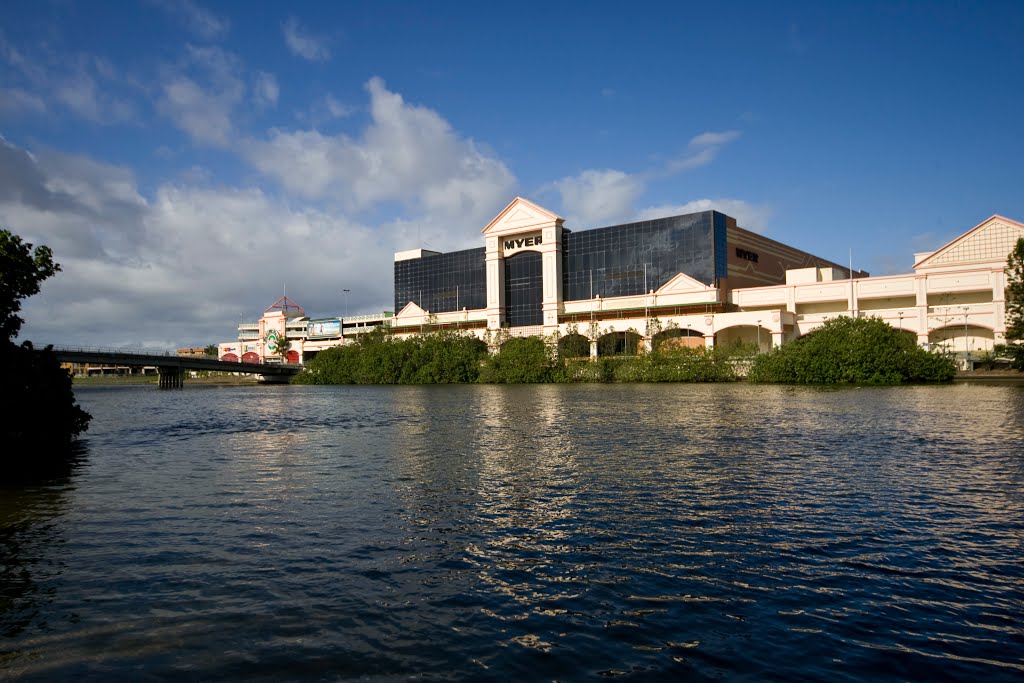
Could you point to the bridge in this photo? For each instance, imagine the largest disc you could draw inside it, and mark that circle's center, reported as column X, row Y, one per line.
column 172, row 368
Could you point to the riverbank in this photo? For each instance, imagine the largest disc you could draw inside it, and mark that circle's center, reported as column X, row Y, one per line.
column 995, row 376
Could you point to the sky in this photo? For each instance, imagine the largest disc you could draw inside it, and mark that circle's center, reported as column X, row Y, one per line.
column 189, row 162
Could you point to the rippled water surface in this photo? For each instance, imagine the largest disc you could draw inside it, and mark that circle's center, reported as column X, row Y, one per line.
column 646, row 532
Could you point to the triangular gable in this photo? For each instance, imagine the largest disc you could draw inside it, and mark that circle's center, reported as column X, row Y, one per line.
column 411, row 309
column 684, row 284
column 990, row 240
column 286, row 306
column 521, row 215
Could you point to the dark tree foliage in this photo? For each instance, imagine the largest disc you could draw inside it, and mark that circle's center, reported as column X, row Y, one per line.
column 22, row 270
column 1015, row 304
column 852, row 351
column 36, row 399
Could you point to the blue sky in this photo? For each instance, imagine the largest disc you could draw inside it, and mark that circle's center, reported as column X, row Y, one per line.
column 186, row 160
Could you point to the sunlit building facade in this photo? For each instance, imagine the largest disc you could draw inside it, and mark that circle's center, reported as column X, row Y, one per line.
column 698, row 278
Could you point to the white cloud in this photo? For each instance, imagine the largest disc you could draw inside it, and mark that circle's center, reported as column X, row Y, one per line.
column 183, row 266
column 598, row 196
column 713, row 139
column 265, row 89
column 751, row 216
column 701, row 151
column 82, row 95
column 336, row 109
column 604, row 196
column 15, row 101
column 200, row 95
column 199, row 20
column 303, row 44
column 44, row 82
column 407, row 154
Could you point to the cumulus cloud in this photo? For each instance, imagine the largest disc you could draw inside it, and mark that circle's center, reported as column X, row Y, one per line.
column 407, row 154
column 605, row 196
column 43, row 81
column 748, row 215
column 598, row 196
column 303, row 44
column 181, row 267
column 201, row 93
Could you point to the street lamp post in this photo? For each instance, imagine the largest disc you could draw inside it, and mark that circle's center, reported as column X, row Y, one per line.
column 346, row 291
column 967, row 343
column 759, row 336
column 901, row 320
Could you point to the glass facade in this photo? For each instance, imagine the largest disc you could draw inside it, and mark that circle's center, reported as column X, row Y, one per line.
column 621, row 260
column 631, row 259
column 442, row 282
column 524, row 289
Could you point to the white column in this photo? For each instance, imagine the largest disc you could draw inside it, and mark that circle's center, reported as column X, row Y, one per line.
column 495, row 284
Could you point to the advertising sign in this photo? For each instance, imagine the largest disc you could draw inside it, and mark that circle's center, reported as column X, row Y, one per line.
column 327, row 327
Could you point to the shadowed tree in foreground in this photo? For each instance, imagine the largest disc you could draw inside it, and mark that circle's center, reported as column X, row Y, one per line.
column 41, row 418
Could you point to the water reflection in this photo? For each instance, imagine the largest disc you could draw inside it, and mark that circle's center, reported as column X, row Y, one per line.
column 528, row 532
column 31, row 538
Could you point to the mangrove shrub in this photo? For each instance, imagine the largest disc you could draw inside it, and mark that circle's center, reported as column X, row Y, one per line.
column 36, row 400
column 852, row 351
column 379, row 358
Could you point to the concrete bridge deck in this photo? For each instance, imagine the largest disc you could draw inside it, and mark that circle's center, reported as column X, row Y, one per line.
column 172, row 367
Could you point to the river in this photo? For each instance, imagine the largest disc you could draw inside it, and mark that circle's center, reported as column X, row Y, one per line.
column 642, row 532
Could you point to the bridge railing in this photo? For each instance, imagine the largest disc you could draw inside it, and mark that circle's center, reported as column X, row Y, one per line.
column 135, row 351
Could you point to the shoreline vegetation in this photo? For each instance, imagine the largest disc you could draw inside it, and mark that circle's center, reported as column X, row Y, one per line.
column 42, row 419
column 863, row 351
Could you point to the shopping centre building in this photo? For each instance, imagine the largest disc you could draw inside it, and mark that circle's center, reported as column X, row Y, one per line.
column 699, row 278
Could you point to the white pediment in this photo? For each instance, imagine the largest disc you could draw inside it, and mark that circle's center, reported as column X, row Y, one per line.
column 411, row 310
column 684, row 284
column 519, row 216
column 991, row 240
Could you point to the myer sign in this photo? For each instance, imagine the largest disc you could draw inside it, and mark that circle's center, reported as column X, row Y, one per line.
column 510, row 245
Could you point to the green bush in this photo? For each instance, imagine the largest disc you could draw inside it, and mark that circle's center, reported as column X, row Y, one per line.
column 522, row 360
column 852, row 351
column 379, row 358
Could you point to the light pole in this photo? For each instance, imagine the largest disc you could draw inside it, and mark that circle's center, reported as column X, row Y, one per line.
column 346, row 291
column 759, row 336
column 901, row 320
column 967, row 343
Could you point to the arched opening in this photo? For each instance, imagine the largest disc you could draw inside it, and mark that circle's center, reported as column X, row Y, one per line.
column 250, row 357
column 618, row 344
column 574, row 346
column 962, row 340
column 229, row 358
column 677, row 338
column 292, row 357
column 744, row 335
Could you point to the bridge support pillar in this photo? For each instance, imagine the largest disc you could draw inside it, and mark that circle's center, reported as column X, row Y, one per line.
column 172, row 378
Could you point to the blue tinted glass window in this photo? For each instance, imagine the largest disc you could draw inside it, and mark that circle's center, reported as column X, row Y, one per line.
column 524, row 289
column 634, row 258
column 442, row 282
